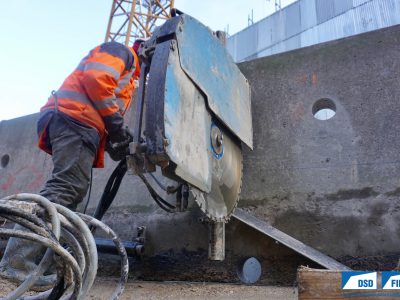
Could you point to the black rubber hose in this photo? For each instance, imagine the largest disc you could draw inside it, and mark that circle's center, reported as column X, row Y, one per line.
column 168, row 189
column 112, row 186
column 161, row 202
column 111, row 189
column 58, row 290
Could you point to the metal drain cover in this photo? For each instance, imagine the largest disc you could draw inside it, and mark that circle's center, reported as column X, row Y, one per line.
column 250, row 270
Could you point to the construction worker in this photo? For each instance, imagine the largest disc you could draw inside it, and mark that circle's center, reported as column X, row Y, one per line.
column 74, row 126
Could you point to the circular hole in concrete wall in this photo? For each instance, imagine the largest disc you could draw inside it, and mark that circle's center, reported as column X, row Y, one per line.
column 5, row 159
column 324, row 109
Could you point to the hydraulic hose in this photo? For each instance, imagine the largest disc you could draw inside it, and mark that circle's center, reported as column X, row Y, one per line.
column 56, row 247
column 114, row 182
column 77, row 222
column 121, row 251
column 77, row 259
column 111, row 189
column 46, row 260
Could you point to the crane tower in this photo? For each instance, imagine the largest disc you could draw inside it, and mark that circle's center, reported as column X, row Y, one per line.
column 131, row 19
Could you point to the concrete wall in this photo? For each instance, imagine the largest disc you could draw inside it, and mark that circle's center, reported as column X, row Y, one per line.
column 333, row 184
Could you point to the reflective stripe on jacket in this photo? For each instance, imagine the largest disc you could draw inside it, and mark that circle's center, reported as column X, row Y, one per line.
column 98, row 92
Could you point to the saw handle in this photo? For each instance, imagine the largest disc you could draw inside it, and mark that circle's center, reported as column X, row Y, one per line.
column 175, row 12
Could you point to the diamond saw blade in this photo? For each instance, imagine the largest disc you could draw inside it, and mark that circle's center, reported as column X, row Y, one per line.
column 227, row 165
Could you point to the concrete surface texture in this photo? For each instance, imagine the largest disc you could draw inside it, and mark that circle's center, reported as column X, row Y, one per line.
column 333, row 184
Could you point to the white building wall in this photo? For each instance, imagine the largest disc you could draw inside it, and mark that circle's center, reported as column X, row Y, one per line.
column 308, row 22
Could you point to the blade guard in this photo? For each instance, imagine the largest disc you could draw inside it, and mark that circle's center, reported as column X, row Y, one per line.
column 194, row 86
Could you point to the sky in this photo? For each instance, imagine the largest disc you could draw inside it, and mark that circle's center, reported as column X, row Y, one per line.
column 42, row 41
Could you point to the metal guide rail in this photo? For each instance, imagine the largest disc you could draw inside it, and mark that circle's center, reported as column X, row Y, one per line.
column 288, row 241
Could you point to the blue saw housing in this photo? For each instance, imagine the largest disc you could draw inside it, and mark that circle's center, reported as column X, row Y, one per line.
column 193, row 83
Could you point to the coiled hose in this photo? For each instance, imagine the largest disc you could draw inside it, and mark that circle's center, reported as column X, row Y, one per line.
column 76, row 254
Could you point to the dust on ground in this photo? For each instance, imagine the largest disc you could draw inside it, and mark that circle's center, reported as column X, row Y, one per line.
column 190, row 290
column 7, row 286
column 103, row 288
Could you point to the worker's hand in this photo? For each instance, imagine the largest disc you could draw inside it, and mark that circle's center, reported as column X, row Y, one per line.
column 117, row 153
column 122, row 135
column 117, row 144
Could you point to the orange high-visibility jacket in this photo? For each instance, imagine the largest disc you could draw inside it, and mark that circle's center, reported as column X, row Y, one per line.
column 98, row 92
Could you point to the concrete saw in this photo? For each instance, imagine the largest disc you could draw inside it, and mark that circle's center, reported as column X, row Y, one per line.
column 193, row 116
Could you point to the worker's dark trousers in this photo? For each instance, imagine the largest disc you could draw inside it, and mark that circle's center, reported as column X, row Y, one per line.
column 72, row 159
column 68, row 185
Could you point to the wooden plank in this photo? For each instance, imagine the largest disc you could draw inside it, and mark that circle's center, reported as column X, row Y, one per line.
column 327, row 284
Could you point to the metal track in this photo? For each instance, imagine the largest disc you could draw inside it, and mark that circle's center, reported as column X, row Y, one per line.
column 288, row 241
